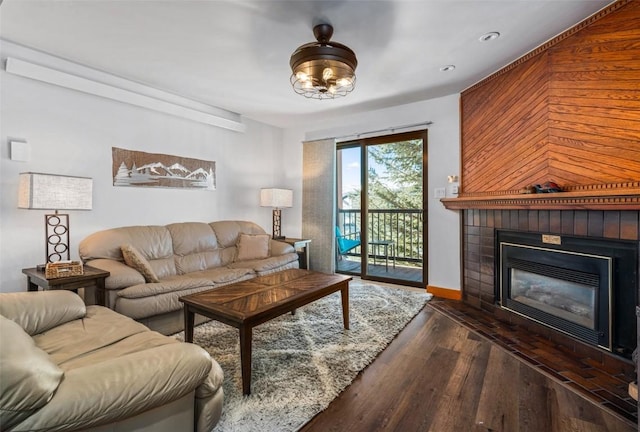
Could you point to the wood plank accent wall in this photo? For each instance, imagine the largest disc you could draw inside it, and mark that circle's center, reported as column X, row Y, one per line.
column 504, row 130
column 568, row 112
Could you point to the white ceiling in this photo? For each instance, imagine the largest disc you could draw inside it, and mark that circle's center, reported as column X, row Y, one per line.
column 235, row 54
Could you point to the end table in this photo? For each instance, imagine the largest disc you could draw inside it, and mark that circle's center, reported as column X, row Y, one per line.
column 302, row 248
column 92, row 278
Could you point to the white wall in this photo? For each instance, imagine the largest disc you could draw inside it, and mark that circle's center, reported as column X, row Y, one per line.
column 443, row 160
column 72, row 133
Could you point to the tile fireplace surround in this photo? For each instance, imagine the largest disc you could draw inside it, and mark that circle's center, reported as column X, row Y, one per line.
column 480, row 228
column 479, row 243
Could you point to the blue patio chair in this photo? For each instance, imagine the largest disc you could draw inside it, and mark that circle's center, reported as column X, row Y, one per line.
column 346, row 242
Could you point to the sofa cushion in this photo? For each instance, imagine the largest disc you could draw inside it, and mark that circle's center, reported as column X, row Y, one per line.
column 227, row 232
column 192, row 237
column 121, row 275
column 100, row 328
column 144, row 307
column 28, row 377
column 263, row 265
column 252, row 246
column 171, row 284
column 223, row 275
column 154, row 242
column 195, row 247
column 280, row 248
column 39, row 311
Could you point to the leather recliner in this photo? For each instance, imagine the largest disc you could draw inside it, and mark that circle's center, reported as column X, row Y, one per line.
column 65, row 366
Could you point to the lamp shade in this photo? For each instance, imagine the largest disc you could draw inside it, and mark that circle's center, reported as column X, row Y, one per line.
column 276, row 198
column 54, row 192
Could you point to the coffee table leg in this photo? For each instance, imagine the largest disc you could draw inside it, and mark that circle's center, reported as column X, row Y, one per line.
column 189, row 318
column 245, row 358
column 344, row 294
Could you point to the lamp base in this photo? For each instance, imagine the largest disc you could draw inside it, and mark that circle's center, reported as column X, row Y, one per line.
column 276, row 225
column 279, row 237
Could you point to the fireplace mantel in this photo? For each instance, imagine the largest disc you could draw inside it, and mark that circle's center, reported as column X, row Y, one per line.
column 597, row 197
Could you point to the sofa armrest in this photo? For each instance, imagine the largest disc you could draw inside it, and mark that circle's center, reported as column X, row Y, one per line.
column 28, row 376
column 122, row 276
column 209, row 397
column 280, row 248
column 39, row 311
column 123, row 387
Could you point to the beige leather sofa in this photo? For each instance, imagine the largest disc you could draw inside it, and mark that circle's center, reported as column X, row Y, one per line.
column 162, row 263
column 68, row 367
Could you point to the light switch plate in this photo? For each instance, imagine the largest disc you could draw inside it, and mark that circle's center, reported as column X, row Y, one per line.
column 439, row 192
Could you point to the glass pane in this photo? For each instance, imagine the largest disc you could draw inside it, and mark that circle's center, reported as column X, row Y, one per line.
column 568, row 300
column 395, row 208
column 349, row 184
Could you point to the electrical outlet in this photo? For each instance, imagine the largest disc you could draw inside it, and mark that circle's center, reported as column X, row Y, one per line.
column 439, row 192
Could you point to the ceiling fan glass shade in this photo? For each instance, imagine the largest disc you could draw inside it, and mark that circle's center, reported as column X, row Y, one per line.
column 323, row 69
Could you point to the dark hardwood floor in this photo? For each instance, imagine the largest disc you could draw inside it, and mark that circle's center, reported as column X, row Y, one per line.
column 439, row 375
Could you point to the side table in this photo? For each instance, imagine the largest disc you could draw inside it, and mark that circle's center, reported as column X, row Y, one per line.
column 386, row 244
column 92, row 278
column 302, row 248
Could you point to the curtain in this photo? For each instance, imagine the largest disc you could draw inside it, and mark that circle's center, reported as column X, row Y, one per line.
column 318, row 201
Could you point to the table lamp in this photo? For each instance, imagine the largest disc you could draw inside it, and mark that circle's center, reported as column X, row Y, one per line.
column 276, row 198
column 39, row 191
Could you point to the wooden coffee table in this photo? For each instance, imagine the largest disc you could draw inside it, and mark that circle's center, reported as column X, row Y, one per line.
column 247, row 304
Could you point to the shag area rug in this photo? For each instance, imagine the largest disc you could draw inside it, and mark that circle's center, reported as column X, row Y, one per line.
column 301, row 362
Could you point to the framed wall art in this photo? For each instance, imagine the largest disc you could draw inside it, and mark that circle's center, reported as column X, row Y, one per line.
column 136, row 168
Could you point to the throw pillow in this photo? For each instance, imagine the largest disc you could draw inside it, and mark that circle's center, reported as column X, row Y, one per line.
column 133, row 258
column 252, row 246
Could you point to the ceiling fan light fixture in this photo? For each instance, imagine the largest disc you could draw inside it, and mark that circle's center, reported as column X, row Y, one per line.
column 323, row 69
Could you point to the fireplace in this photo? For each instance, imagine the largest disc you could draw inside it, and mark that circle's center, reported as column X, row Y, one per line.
column 580, row 286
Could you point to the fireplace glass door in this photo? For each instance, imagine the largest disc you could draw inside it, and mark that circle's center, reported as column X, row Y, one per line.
column 568, row 291
column 584, row 287
column 571, row 301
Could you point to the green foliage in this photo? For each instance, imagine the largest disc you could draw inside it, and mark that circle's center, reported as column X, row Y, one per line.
column 394, row 183
column 398, row 185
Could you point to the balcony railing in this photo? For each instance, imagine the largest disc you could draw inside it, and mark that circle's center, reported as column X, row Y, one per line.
column 403, row 227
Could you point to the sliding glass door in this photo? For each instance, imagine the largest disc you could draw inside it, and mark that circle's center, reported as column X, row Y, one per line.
column 381, row 230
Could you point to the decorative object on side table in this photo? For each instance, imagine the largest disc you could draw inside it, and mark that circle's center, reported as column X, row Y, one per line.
column 39, row 191
column 276, row 198
column 91, row 278
column 63, row 269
